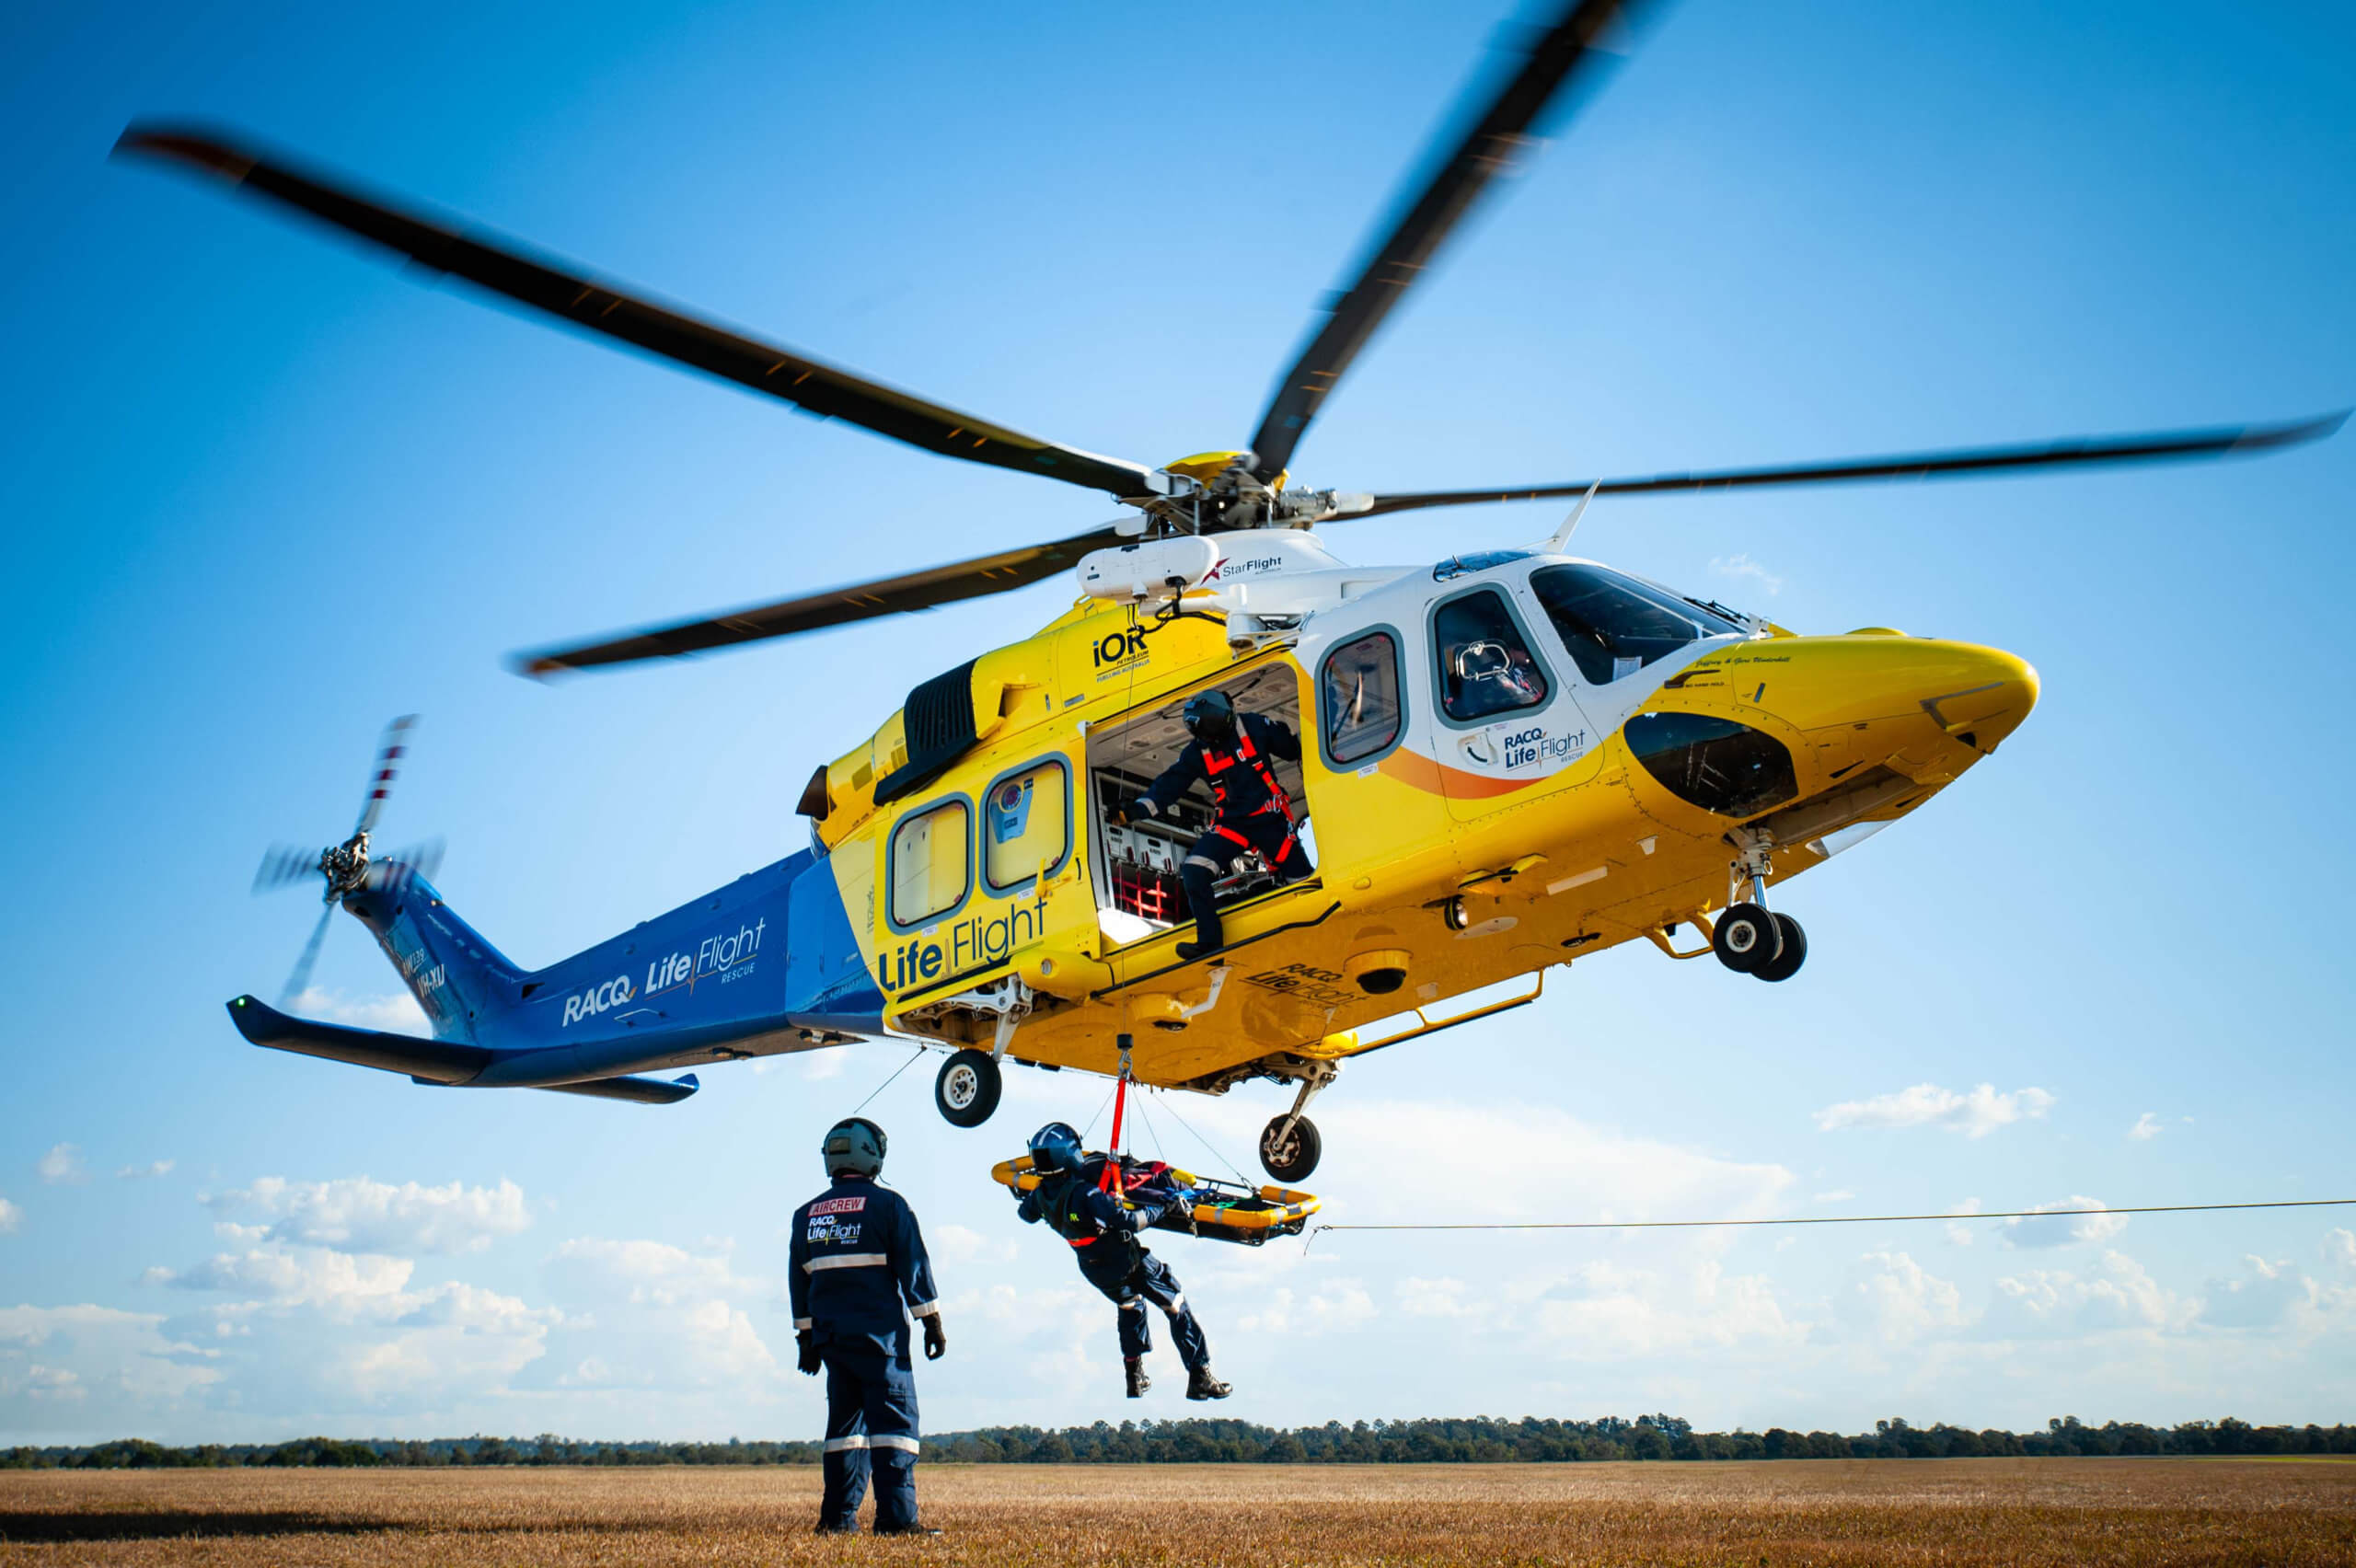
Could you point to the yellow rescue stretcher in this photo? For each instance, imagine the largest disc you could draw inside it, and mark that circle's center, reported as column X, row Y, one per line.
column 1219, row 1211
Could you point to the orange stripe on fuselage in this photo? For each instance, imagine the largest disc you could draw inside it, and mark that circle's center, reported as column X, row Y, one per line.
column 1420, row 772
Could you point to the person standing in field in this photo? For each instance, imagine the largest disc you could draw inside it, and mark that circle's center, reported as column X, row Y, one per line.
column 857, row 1255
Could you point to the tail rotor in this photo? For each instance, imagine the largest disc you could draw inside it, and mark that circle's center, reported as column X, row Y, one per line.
column 347, row 868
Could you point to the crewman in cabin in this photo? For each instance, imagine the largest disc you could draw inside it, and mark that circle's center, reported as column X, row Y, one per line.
column 856, row 1256
column 1236, row 755
column 1080, row 1201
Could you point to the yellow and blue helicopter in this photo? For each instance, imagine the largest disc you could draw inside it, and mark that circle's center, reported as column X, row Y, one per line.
column 1509, row 759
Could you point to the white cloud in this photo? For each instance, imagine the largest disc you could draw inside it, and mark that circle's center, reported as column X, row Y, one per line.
column 2059, row 1304
column 665, row 1318
column 1612, row 1311
column 1742, row 566
column 2147, row 1126
column 1963, row 1235
column 395, row 1012
column 2065, row 1231
column 960, row 1244
column 312, row 1276
column 1338, row 1306
column 2340, row 1247
column 11, row 1216
column 2265, row 1295
column 1895, row 1300
column 828, row 1062
column 84, row 1372
column 1975, row 1115
column 1838, row 1195
column 366, row 1216
column 140, row 1172
column 62, row 1163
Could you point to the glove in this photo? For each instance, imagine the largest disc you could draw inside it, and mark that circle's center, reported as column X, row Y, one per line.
column 1118, row 817
column 936, row 1339
column 808, row 1344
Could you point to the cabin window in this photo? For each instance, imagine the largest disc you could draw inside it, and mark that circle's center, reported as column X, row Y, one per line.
column 931, row 870
column 1026, row 824
column 1485, row 664
column 1614, row 626
column 1357, row 697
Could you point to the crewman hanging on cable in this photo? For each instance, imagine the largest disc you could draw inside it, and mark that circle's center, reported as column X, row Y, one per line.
column 1236, row 755
column 1077, row 1199
column 856, row 1256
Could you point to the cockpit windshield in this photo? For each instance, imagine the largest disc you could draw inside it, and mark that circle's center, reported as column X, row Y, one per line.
column 1613, row 625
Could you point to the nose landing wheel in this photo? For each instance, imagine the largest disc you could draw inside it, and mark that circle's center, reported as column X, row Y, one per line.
column 1289, row 1153
column 1749, row 940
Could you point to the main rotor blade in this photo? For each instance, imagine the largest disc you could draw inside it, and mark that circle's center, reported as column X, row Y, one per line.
column 299, row 979
column 2238, row 441
column 389, row 753
column 834, row 606
column 1488, row 149
column 506, row 267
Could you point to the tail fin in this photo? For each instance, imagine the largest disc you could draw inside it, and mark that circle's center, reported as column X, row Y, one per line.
column 456, row 976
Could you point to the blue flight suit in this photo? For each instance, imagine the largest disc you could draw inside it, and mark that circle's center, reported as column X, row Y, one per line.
column 1102, row 1231
column 857, row 1255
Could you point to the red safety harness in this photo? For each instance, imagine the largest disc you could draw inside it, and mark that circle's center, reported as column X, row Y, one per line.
column 1216, row 763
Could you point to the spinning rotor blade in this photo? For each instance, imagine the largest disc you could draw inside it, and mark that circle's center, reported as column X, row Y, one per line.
column 1489, row 149
column 285, row 865
column 299, row 980
column 508, row 269
column 388, row 758
column 2238, row 441
column 834, row 606
column 394, row 871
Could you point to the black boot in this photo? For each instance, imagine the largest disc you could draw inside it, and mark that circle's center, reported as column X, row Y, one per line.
column 1209, row 937
column 1202, row 1385
column 1138, row 1381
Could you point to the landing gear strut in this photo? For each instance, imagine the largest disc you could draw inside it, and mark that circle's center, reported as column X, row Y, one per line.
column 967, row 1089
column 1289, row 1146
column 1749, row 940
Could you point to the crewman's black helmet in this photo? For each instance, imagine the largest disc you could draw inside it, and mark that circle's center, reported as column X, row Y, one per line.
column 855, row 1145
column 1210, row 716
column 1055, row 1147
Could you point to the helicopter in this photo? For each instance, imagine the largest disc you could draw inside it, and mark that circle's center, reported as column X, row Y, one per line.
column 1510, row 760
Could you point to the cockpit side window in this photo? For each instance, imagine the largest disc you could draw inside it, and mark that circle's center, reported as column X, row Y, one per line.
column 1486, row 666
column 1357, row 697
column 1614, row 626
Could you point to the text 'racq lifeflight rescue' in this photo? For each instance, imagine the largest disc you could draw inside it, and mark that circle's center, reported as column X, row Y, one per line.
column 1486, row 768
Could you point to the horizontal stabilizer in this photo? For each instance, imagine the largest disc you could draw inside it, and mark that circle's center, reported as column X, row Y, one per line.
column 429, row 1061
column 644, row 1091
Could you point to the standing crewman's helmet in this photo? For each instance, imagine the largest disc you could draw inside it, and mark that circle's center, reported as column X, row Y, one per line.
column 855, row 1145
column 1210, row 716
column 1055, row 1147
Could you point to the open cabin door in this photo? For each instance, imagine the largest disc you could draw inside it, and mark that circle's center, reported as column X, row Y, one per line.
column 1137, row 896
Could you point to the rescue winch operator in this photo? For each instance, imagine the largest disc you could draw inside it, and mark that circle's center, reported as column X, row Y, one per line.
column 1236, row 755
column 857, row 1255
column 1081, row 1200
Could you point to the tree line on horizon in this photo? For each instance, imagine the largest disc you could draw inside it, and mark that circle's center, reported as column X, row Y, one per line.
column 1464, row 1440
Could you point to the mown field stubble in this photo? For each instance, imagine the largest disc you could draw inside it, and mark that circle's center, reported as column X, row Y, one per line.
column 1955, row 1511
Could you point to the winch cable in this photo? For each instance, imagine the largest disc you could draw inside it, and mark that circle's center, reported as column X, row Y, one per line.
column 1234, row 1170
column 1833, row 1218
column 880, row 1087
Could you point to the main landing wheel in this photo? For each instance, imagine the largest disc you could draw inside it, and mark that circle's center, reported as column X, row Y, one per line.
column 967, row 1089
column 1786, row 964
column 1747, row 938
column 1295, row 1156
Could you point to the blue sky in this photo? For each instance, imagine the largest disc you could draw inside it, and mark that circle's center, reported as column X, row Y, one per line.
column 265, row 492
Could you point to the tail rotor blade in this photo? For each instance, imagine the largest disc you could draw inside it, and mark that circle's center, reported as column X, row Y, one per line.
column 300, row 980
column 284, row 866
column 388, row 758
column 395, row 870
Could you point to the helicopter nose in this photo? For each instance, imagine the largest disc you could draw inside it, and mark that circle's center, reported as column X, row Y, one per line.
column 1929, row 706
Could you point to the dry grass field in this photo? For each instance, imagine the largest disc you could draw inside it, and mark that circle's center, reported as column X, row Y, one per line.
column 1956, row 1511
